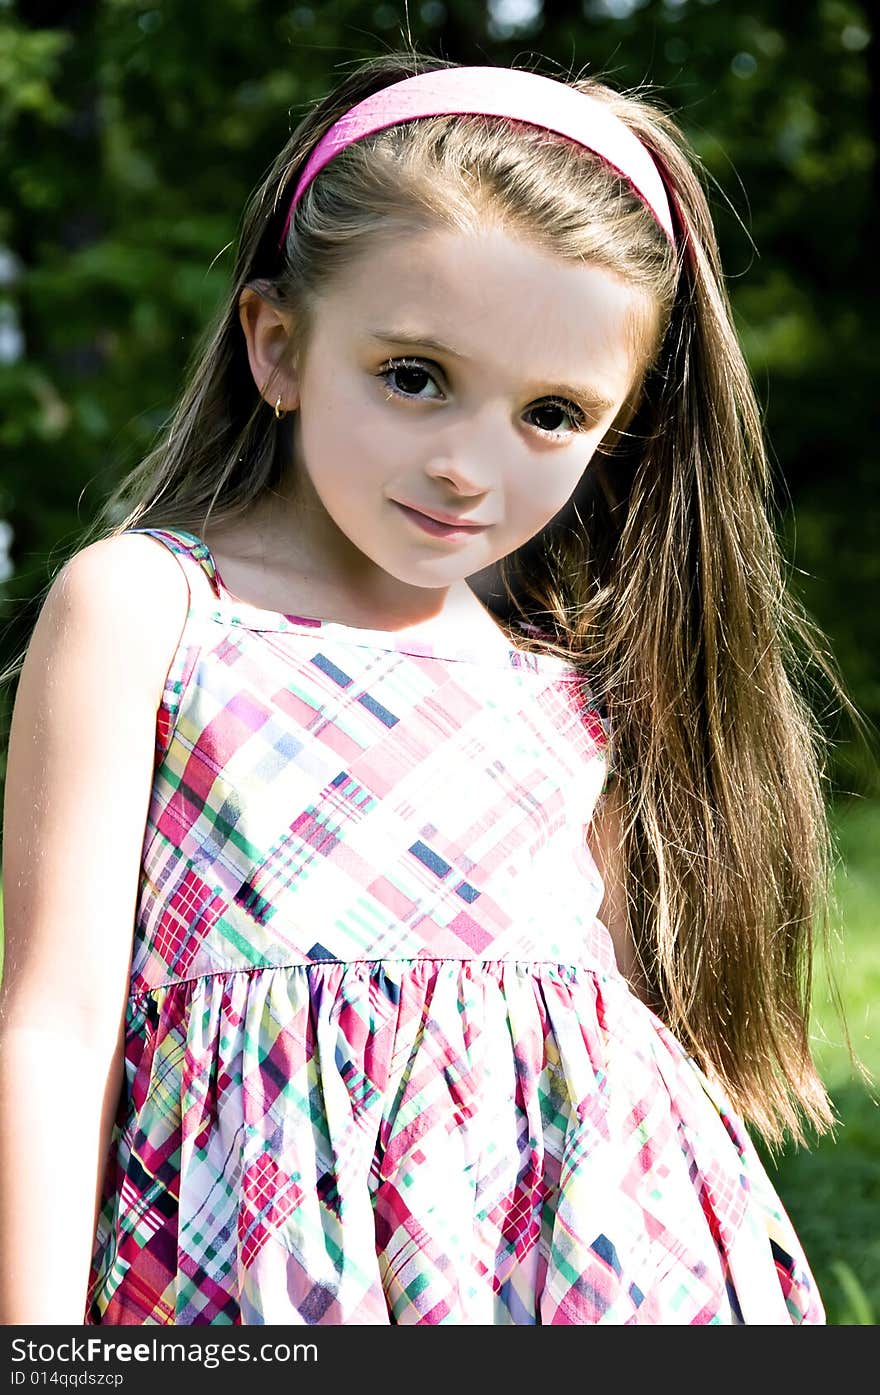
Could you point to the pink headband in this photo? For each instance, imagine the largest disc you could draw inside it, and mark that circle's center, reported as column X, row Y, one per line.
column 510, row 92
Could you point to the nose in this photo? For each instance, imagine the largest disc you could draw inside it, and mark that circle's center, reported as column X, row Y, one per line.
column 467, row 457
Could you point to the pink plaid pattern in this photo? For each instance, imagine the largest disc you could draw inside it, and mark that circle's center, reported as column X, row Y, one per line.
column 380, row 1066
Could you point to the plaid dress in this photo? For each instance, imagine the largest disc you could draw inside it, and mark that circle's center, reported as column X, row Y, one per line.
column 380, row 1066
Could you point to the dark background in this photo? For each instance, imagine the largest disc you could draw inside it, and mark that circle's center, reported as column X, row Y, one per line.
column 132, row 133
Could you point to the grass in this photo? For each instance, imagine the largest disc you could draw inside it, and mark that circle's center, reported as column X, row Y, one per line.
column 832, row 1190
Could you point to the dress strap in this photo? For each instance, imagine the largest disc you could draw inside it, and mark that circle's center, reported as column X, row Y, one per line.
column 185, row 544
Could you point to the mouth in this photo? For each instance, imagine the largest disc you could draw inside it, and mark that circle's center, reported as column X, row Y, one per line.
column 438, row 528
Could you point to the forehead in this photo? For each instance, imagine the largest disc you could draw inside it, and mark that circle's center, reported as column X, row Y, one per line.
column 497, row 298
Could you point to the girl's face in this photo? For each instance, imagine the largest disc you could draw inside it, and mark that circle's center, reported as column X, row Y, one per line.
column 464, row 375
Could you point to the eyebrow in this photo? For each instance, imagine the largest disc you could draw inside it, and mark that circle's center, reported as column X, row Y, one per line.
column 589, row 397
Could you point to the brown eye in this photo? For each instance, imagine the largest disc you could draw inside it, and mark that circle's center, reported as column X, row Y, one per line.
column 406, row 377
column 552, row 410
column 410, row 380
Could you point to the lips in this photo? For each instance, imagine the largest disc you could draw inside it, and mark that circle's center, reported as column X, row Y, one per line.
column 448, row 518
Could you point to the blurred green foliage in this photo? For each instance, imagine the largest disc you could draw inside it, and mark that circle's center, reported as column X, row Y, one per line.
column 133, row 131
column 832, row 1190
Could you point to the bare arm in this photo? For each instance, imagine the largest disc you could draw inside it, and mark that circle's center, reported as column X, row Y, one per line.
column 79, row 776
column 603, row 837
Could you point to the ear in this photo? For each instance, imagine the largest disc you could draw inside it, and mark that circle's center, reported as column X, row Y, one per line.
column 267, row 332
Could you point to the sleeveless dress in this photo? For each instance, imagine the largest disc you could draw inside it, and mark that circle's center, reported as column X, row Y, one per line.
column 380, row 1065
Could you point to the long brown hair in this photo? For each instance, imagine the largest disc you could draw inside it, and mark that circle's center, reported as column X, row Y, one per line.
column 662, row 579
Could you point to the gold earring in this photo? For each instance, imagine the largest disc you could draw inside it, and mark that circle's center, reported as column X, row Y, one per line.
column 279, row 414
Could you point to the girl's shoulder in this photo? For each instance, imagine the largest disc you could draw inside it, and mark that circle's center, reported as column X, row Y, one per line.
column 130, row 587
column 80, row 768
column 173, row 555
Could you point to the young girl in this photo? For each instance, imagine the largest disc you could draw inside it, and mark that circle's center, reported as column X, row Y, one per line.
column 413, row 831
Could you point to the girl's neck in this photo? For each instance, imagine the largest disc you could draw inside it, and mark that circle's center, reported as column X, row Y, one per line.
column 261, row 566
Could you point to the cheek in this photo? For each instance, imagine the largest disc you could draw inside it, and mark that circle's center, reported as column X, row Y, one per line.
column 342, row 436
column 548, row 481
